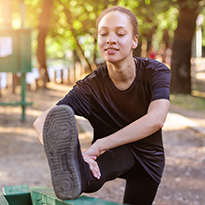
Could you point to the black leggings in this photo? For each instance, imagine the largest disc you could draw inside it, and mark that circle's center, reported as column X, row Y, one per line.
column 120, row 162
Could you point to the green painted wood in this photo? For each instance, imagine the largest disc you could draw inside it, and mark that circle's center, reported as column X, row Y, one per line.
column 46, row 195
column 23, row 102
column 17, row 195
column 3, row 200
column 20, row 59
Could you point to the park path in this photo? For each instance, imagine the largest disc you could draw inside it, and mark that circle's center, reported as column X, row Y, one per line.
column 22, row 159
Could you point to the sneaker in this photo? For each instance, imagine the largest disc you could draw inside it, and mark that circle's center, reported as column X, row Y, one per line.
column 62, row 149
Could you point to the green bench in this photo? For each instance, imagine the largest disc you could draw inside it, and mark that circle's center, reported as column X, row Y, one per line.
column 23, row 195
column 3, row 201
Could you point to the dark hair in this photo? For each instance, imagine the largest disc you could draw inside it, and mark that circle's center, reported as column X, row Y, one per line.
column 133, row 19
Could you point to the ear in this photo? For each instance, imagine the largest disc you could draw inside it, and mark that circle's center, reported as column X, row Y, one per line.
column 135, row 42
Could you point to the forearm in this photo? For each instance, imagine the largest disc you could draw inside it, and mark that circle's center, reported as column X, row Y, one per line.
column 39, row 123
column 139, row 129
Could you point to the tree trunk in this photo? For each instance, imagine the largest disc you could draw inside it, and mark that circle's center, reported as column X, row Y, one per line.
column 95, row 51
column 44, row 20
column 166, row 38
column 148, row 34
column 82, row 52
column 70, row 22
column 75, row 57
column 180, row 62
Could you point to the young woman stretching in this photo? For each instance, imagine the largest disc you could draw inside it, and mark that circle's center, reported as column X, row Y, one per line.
column 126, row 101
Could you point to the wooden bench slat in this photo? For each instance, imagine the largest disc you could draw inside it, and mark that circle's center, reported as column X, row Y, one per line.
column 40, row 195
column 17, row 195
column 3, row 200
column 22, row 195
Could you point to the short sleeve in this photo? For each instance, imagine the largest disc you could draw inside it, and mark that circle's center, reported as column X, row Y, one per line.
column 78, row 99
column 159, row 78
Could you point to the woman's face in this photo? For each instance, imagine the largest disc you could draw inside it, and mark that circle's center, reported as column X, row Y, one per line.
column 115, row 37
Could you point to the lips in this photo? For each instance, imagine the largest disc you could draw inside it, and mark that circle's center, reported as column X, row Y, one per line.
column 111, row 50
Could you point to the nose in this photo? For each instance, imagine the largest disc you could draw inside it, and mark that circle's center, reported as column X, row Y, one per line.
column 111, row 39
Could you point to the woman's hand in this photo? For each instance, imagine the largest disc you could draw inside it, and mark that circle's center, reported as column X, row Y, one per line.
column 94, row 168
column 95, row 150
column 90, row 155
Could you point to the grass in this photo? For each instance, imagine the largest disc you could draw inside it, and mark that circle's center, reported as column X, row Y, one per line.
column 188, row 102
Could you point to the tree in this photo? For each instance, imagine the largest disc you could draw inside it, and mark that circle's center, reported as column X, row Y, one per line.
column 156, row 19
column 81, row 17
column 73, row 27
column 180, row 62
column 44, row 19
column 70, row 21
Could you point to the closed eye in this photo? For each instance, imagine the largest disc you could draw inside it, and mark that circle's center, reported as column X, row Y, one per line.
column 120, row 34
column 103, row 34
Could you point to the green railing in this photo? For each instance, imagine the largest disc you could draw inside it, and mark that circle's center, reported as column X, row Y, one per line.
column 15, row 57
column 23, row 195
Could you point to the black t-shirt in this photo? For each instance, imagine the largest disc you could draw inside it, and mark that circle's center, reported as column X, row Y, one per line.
column 109, row 109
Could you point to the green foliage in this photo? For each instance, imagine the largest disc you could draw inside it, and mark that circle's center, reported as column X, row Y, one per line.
column 76, row 18
column 34, row 8
column 188, row 102
column 203, row 27
column 147, row 2
column 168, row 21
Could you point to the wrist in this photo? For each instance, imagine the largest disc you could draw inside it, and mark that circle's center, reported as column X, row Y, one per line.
column 102, row 144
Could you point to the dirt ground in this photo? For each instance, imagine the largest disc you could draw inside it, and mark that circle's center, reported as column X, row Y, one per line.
column 22, row 159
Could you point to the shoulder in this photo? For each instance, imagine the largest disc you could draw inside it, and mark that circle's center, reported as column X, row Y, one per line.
column 94, row 77
column 148, row 64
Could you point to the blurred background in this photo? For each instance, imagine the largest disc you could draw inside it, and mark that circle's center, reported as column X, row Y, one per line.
column 47, row 45
column 64, row 32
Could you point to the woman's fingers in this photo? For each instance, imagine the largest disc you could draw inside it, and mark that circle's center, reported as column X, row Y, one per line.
column 93, row 157
column 94, row 168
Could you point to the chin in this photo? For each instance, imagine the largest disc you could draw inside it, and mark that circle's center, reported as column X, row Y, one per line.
column 112, row 59
column 117, row 58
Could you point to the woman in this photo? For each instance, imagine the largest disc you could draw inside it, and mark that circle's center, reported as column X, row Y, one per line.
column 126, row 102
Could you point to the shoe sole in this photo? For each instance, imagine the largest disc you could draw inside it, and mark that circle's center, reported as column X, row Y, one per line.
column 60, row 139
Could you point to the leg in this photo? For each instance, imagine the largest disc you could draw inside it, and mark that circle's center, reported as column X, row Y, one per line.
column 113, row 163
column 69, row 172
column 62, row 149
column 140, row 187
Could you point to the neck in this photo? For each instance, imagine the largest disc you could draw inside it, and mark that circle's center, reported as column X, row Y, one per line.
column 122, row 74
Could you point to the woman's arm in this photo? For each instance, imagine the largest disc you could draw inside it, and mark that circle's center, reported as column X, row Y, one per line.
column 139, row 129
column 39, row 123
